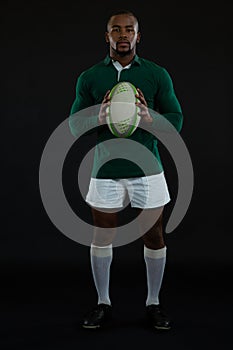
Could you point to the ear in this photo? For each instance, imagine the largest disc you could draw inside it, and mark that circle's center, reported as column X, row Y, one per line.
column 138, row 37
column 106, row 37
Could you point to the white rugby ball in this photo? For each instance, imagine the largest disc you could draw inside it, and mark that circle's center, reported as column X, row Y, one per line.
column 122, row 114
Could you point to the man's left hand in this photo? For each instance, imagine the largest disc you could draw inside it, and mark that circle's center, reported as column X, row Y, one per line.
column 142, row 104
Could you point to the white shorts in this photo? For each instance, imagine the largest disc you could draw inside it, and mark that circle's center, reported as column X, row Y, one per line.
column 143, row 192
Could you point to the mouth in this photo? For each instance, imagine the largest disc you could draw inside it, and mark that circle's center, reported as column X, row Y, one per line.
column 123, row 43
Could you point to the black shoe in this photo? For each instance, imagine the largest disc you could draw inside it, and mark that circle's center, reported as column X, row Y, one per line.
column 97, row 316
column 157, row 318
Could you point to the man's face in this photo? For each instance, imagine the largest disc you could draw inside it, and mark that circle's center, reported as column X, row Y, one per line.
column 122, row 34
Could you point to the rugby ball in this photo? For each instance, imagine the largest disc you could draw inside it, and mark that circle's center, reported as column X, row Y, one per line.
column 122, row 114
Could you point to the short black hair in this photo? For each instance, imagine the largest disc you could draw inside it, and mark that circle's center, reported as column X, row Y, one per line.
column 122, row 12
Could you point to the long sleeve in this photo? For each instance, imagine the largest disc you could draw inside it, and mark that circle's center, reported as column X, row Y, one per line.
column 167, row 102
column 83, row 117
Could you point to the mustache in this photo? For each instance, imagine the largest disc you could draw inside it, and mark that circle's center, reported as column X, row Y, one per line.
column 123, row 41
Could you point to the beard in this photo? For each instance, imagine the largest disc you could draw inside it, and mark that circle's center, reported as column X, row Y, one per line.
column 122, row 53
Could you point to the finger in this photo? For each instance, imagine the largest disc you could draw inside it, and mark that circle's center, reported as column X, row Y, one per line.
column 106, row 105
column 141, row 105
column 107, row 93
column 106, row 96
column 141, row 98
column 140, row 91
column 138, row 94
column 142, row 112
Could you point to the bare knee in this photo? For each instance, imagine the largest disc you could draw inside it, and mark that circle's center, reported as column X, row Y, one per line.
column 105, row 227
column 153, row 238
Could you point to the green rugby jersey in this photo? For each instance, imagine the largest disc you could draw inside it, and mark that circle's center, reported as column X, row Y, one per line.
column 155, row 83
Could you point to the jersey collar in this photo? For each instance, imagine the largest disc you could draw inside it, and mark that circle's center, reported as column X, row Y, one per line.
column 136, row 60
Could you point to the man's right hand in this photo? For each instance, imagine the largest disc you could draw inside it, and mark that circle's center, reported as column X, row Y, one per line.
column 103, row 107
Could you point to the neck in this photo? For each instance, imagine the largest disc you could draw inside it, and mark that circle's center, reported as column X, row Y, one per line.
column 123, row 60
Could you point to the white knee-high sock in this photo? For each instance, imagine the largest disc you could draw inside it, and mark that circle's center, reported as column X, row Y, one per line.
column 101, row 258
column 155, row 263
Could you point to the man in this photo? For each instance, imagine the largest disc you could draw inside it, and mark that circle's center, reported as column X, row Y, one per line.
column 155, row 91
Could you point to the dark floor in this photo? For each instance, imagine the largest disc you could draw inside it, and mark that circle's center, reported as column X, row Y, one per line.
column 42, row 309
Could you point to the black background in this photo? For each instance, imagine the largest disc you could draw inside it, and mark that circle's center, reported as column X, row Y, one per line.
column 46, row 278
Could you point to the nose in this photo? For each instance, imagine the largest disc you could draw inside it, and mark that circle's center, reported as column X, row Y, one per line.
column 123, row 35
